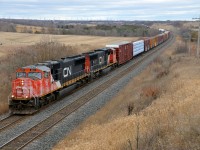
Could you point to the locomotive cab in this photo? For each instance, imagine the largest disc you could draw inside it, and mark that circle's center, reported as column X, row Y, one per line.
column 30, row 87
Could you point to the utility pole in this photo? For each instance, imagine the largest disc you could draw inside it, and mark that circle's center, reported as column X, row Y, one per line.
column 198, row 37
column 190, row 43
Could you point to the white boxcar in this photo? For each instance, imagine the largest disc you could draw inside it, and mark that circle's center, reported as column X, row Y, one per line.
column 138, row 47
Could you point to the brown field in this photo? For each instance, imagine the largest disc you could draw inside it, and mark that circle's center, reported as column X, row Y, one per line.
column 165, row 100
column 9, row 38
column 23, row 28
column 12, row 40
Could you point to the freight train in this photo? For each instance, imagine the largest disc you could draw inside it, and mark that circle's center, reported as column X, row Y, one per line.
column 37, row 85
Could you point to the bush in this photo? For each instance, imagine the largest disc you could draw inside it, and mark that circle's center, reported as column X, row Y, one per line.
column 151, row 91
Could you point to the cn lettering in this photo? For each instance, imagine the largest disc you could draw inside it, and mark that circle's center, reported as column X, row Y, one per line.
column 67, row 71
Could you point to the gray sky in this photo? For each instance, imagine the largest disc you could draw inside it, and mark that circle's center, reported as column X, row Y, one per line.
column 101, row 9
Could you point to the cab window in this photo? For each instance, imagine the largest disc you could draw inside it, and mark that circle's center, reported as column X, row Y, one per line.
column 46, row 74
column 35, row 75
column 21, row 75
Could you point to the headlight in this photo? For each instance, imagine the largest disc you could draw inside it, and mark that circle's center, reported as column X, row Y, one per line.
column 26, row 96
column 12, row 96
column 22, row 82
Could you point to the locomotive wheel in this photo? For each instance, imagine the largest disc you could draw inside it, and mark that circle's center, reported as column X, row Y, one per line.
column 53, row 97
column 25, row 102
column 37, row 103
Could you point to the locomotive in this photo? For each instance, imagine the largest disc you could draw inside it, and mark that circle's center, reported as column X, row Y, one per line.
column 37, row 85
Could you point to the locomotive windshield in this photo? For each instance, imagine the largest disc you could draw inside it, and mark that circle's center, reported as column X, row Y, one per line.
column 35, row 75
column 21, row 74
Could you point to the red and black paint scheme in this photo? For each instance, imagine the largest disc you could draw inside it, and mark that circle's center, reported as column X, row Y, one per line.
column 37, row 85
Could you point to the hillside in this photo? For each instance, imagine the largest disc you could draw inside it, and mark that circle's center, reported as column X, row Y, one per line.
column 165, row 115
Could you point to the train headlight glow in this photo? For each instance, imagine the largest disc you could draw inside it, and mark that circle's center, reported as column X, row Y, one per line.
column 12, row 96
column 26, row 96
column 22, row 82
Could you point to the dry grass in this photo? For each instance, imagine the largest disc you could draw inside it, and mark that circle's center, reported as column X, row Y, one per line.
column 8, row 38
column 33, row 29
column 84, row 43
column 151, row 91
column 3, row 108
column 170, row 122
column 190, row 24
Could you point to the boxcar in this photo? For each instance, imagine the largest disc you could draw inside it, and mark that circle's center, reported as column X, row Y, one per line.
column 156, row 40
column 146, row 44
column 160, row 38
column 167, row 34
column 138, row 47
column 153, row 42
column 124, row 51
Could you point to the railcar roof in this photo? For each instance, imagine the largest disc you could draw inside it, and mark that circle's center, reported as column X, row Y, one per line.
column 103, row 49
column 52, row 61
column 90, row 53
column 49, row 62
column 43, row 68
column 140, row 41
column 72, row 58
column 117, row 44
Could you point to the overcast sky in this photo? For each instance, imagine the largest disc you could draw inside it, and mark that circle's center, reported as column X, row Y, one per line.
column 101, row 9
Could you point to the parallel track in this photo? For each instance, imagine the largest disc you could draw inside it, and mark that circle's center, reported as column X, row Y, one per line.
column 9, row 121
column 33, row 133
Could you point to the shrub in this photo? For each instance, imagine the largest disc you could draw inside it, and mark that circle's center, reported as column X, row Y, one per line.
column 130, row 108
column 151, row 91
column 163, row 72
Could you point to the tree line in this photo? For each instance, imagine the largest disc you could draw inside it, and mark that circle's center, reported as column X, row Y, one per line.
column 55, row 27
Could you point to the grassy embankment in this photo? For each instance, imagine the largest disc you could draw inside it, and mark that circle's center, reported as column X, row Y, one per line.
column 164, row 102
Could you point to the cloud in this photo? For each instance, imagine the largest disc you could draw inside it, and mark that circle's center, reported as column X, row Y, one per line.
column 104, row 9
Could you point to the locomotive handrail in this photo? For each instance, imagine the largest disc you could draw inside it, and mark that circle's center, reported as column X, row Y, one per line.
column 9, row 97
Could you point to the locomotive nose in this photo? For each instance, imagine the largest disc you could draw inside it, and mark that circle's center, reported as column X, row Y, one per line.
column 21, row 88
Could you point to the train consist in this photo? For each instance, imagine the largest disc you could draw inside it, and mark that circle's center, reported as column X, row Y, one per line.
column 37, row 85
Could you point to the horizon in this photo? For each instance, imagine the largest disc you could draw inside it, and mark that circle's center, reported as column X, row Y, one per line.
column 196, row 19
column 127, row 10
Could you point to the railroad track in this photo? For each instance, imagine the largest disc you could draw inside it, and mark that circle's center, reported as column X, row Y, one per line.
column 9, row 121
column 35, row 132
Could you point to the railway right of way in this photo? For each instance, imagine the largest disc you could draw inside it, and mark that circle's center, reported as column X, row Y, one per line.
column 35, row 132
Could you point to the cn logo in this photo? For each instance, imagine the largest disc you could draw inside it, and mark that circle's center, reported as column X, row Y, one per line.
column 67, row 71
